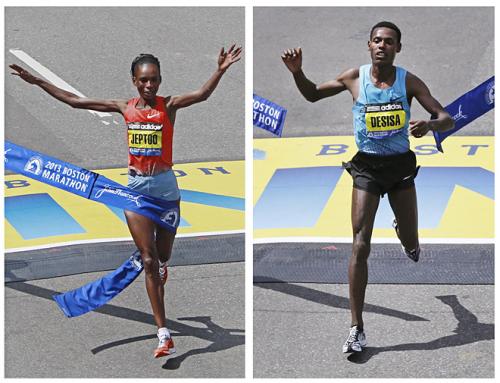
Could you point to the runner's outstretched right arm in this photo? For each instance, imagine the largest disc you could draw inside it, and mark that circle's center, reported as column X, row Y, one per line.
column 69, row 98
column 292, row 58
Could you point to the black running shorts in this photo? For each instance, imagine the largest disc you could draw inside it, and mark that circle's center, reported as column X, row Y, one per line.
column 382, row 174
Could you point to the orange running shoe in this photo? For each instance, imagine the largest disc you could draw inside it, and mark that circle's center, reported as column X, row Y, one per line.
column 165, row 347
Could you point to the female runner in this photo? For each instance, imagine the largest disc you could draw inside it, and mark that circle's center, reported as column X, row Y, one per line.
column 150, row 120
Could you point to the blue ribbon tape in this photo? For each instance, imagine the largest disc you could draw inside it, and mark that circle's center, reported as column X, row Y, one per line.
column 268, row 115
column 468, row 107
column 90, row 185
column 95, row 294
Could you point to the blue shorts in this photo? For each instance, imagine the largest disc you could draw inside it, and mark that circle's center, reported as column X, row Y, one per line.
column 162, row 185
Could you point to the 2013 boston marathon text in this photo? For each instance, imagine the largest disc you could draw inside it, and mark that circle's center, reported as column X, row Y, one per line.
column 57, row 168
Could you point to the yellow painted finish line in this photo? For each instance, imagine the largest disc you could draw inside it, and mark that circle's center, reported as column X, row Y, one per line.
column 38, row 206
column 301, row 190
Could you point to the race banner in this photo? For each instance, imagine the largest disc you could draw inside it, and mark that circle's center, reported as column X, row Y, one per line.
column 468, row 107
column 90, row 185
column 268, row 115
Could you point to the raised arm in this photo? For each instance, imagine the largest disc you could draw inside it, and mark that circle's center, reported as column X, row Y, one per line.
column 292, row 58
column 224, row 61
column 441, row 121
column 69, row 98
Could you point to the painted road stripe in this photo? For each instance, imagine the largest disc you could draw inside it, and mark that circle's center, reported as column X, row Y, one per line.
column 435, row 187
column 211, row 199
column 121, row 239
column 212, row 202
column 30, row 220
column 455, row 190
column 51, row 76
column 296, row 197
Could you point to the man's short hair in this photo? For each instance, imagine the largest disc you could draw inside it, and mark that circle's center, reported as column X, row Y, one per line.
column 387, row 24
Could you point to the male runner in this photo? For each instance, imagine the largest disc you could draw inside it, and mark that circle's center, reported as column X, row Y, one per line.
column 382, row 94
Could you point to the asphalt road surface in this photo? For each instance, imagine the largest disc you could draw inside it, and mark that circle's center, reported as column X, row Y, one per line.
column 413, row 331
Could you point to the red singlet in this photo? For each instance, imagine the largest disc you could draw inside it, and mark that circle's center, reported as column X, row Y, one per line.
column 149, row 137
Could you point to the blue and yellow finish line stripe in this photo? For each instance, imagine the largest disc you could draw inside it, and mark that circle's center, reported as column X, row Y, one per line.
column 302, row 193
column 38, row 215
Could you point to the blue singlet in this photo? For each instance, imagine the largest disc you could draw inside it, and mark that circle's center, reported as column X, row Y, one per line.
column 381, row 116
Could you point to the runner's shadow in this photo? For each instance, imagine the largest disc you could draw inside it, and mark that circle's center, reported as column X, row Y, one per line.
column 10, row 268
column 468, row 330
column 221, row 338
column 330, row 300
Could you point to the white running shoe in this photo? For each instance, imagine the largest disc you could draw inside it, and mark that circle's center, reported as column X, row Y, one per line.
column 412, row 254
column 163, row 272
column 355, row 341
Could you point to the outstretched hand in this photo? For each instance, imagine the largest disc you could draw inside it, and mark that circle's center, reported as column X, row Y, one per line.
column 419, row 128
column 226, row 59
column 293, row 59
column 23, row 73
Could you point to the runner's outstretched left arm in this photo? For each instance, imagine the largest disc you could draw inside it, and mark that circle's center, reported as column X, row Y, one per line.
column 224, row 61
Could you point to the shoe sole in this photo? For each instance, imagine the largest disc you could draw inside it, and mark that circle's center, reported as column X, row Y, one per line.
column 351, row 350
column 413, row 259
column 395, row 226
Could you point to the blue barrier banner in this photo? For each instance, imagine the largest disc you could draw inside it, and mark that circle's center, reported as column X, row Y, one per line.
column 268, row 115
column 88, row 184
column 97, row 293
column 468, row 107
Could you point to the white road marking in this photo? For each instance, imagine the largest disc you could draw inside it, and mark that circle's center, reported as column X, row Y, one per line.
column 122, row 239
column 51, row 76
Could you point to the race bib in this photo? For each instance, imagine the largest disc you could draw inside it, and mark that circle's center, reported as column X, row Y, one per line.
column 145, row 139
column 383, row 120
